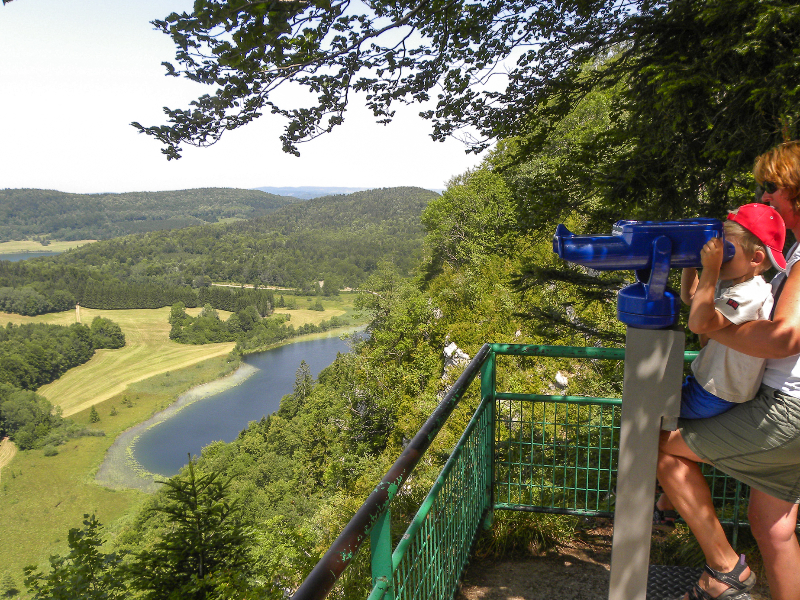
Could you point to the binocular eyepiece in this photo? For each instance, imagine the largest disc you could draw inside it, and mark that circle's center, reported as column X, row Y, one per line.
column 650, row 248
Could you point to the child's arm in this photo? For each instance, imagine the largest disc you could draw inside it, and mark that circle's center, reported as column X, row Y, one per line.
column 689, row 280
column 703, row 316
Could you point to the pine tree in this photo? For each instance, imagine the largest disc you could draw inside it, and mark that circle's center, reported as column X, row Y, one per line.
column 93, row 416
column 204, row 548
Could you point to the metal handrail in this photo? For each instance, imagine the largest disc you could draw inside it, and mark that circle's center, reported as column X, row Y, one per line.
column 324, row 575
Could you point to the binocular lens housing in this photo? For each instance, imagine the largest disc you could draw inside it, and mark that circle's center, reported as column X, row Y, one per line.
column 650, row 248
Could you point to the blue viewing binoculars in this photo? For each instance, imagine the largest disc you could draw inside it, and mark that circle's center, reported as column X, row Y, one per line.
column 650, row 248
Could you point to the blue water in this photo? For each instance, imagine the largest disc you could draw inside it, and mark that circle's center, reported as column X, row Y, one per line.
column 24, row 255
column 164, row 448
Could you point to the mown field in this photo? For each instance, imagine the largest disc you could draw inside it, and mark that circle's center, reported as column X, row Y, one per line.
column 31, row 246
column 148, row 351
column 42, row 497
column 301, row 316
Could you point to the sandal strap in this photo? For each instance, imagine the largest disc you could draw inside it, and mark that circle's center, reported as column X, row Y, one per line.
column 731, row 578
column 698, row 593
column 664, row 514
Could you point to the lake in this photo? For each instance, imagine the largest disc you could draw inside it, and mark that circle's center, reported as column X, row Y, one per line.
column 164, row 448
column 24, row 255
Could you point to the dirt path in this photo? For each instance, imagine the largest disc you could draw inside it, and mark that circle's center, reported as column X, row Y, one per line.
column 7, row 451
column 577, row 571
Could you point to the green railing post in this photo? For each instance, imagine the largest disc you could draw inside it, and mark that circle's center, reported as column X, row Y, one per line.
column 381, row 550
column 488, row 380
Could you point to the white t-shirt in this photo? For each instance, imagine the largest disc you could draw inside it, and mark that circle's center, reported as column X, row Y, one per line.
column 722, row 371
column 784, row 373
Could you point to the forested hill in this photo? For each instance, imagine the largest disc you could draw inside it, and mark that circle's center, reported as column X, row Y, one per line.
column 397, row 208
column 25, row 213
column 340, row 240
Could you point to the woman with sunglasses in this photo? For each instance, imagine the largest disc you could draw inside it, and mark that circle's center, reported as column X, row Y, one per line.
column 757, row 442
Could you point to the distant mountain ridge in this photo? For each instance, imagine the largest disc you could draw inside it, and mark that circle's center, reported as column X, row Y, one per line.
column 310, row 192
column 25, row 213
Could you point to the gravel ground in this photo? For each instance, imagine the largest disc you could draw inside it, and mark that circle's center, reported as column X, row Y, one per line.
column 579, row 571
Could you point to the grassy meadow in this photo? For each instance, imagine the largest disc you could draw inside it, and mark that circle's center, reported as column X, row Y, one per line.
column 42, row 497
column 148, row 351
column 341, row 306
column 21, row 246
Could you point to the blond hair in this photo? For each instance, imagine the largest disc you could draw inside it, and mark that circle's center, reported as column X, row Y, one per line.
column 781, row 166
column 748, row 241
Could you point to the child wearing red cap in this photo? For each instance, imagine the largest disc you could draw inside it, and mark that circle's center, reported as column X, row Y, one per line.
column 730, row 293
column 723, row 294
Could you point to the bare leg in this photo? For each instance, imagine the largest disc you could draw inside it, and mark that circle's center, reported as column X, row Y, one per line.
column 773, row 524
column 684, row 484
column 664, row 503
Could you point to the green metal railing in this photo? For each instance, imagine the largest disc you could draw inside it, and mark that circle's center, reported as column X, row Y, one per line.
column 525, row 452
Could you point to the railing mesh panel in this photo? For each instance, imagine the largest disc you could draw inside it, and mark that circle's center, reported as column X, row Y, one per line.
column 556, row 456
column 439, row 549
column 560, row 456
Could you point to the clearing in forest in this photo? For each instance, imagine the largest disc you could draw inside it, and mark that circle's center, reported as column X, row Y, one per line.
column 148, row 351
column 18, row 247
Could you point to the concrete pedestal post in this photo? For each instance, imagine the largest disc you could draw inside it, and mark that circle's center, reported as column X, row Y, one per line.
column 651, row 392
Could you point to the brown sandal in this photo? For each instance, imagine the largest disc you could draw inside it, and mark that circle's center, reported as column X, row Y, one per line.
column 664, row 520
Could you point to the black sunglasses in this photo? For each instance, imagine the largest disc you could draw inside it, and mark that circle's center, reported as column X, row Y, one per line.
column 767, row 187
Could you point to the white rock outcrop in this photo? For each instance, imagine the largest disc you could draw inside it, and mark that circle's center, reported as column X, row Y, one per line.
column 454, row 356
column 561, row 380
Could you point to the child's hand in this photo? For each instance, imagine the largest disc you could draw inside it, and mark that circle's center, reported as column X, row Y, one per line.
column 711, row 254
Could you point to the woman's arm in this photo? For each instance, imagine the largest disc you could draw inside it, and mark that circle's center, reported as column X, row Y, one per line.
column 778, row 338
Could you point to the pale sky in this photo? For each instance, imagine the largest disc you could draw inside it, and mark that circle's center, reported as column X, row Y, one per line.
column 75, row 73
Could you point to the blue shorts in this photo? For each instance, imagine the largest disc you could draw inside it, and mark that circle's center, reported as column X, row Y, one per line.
column 697, row 403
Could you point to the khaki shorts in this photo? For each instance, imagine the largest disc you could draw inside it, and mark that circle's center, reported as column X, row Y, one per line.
column 757, row 442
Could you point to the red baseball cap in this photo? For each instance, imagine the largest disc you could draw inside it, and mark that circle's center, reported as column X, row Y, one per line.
column 767, row 225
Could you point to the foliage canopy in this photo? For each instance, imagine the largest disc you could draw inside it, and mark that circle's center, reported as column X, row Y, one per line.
column 86, row 572
column 393, row 52
column 204, row 546
column 709, row 83
column 25, row 213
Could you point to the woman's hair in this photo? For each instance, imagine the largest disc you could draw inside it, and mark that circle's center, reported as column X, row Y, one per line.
column 748, row 241
column 781, row 166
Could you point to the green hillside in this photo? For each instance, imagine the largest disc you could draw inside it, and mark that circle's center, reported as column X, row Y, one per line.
column 25, row 213
column 339, row 240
